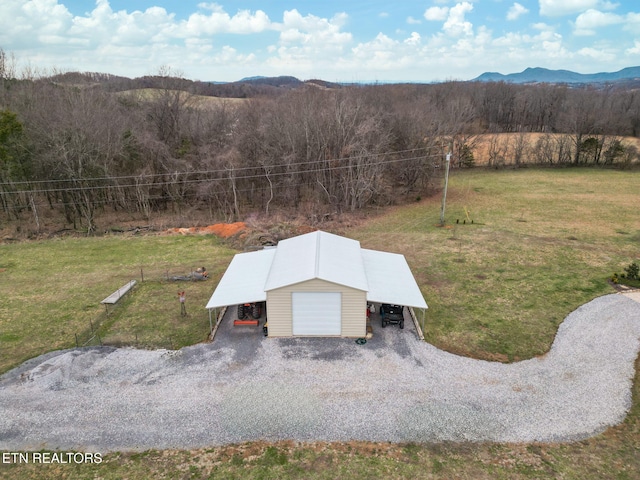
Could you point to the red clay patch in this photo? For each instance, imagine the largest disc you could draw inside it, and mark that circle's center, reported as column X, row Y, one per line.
column 223, row 230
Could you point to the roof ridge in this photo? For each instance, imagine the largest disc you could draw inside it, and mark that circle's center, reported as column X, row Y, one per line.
column 317, row 265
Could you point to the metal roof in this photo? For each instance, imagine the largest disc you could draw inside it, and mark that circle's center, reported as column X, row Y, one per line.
column 391, row 280
column 317, row 255
column 385, row 277
column 243, row 282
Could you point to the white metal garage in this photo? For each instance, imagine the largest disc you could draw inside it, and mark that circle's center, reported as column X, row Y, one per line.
column 317, row 284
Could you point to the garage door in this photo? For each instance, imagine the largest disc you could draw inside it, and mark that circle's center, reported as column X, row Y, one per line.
column 316, row 313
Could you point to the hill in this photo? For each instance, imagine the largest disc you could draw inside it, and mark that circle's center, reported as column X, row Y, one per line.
column 244, row 88
column 627, row 78
column 544, row 75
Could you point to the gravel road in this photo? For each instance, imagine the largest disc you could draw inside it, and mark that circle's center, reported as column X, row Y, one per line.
column 394, row 388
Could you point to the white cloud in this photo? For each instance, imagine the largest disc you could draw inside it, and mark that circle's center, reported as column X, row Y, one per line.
column 522, row 50
column 123, row 41
column 516, row 11
column 511, row 40
column 313, row 31
column 554, row 49
column 542, row 26
column 309, row 42
column 414, row 39
column 632, row 22
column 635, row 50
column 378, row 46
column 27, row 24
column 436, row 14
column 103, row 26
column 456, row 25
column 229, row 55
column 588, row 22
column 413, row 21
column 386, row 54
column 598, row 55
column 558, row 8
column 218, row 21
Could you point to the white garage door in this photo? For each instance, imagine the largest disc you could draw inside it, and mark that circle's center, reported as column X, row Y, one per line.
column 316, row 313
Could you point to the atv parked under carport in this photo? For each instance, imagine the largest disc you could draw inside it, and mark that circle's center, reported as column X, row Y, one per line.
column 392, row 315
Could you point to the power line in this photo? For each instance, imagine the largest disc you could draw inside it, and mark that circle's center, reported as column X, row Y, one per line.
column 212, row 171
column 186, row 181
column 171, row 196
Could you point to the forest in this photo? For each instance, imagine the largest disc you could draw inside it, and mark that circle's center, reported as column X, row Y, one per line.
column 85, row 143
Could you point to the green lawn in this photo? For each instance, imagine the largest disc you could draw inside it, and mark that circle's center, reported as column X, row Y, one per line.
column 542, row 243
column 53, row 290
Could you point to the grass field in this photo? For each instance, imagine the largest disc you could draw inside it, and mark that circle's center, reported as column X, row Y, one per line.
column 52, row 290
column 542, row 242
column 196, row 101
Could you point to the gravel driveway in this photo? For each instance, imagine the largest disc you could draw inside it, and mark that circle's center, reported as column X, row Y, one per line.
column 394, row 388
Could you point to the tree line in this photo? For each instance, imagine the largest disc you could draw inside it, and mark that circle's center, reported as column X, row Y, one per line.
column 82, row 148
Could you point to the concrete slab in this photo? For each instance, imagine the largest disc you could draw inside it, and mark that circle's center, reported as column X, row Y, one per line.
column 634, row 295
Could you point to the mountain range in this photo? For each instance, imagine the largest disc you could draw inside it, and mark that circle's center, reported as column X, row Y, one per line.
column 627, row 78
column 544, row 75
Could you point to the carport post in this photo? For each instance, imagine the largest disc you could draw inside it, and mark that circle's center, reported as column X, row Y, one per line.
column 210, row 324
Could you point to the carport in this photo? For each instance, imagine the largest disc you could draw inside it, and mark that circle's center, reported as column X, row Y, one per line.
column 242, row 282
column 317, row 284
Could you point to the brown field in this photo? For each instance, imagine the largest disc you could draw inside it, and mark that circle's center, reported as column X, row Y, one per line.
column 201, row 101
column 481, row 145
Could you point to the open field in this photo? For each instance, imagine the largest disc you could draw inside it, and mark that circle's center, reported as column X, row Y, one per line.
column 542, row 243
column 193, row 101
column 503, row 144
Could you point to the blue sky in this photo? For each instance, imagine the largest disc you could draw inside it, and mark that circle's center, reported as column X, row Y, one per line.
column 355, row 40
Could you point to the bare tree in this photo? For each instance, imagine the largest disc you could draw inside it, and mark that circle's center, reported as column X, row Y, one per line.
column 8, row 69
column 496, row 151
column 519, row 148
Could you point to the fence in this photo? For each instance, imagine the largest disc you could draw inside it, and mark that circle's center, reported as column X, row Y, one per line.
column 99, row 329
column 92, row 337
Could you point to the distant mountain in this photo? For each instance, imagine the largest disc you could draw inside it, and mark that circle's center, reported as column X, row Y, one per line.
column 288, row 82
column 251, row 79
column 282, row 81
column 544, row 75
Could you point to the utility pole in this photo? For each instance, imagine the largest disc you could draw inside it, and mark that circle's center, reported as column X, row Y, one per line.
column 446, row 184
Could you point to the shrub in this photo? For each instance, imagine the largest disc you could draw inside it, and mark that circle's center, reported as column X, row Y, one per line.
column 466, row 156
column 632, row 271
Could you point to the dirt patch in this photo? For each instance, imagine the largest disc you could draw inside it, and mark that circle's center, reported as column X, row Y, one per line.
column 622, row 288
column 223, row 230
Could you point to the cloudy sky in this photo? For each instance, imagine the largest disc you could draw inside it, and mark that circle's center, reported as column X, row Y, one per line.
column 347, row 40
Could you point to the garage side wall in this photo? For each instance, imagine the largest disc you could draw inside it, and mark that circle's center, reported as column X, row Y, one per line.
column 279, row 307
